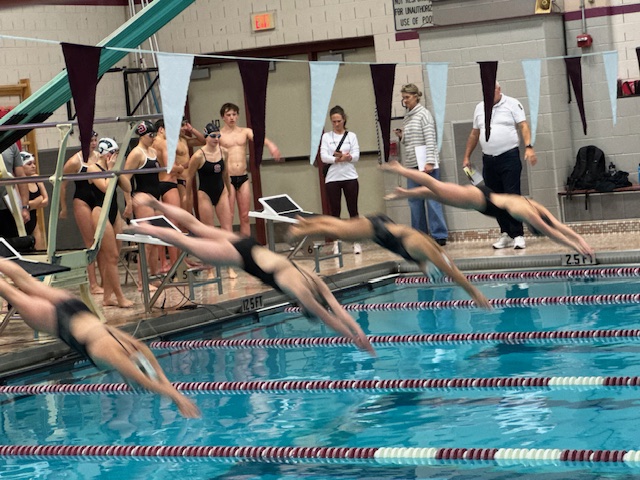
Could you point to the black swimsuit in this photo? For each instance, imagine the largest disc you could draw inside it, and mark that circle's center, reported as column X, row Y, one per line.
column 238, row 180
column 211, row 179
column 83, row 189
column 244, row 247
column 99, row 196
column 383, row 237
column 148, row 183
column 30, row 226
column 65, row 311
column 491, row 210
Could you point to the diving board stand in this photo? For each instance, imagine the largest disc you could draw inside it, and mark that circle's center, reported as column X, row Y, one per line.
column 282, row 208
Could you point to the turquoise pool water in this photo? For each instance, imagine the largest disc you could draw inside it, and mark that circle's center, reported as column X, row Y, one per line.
column 575, row 418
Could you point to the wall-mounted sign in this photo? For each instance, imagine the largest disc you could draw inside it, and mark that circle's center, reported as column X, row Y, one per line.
column 262, row 21
column 412, row 14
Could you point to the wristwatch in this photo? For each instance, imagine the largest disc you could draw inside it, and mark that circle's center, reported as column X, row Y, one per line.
column 25, row 207
column 528, row 146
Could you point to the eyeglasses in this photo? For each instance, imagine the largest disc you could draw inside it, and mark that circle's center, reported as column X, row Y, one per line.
column 213, row 135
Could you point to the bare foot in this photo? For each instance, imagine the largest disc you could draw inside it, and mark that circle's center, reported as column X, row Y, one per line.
column 125, row 303
column 232, row 273
column 152, row 288
column 96, row 289
column 109, row 303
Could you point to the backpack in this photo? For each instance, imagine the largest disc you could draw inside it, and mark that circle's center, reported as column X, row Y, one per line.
column 590, row 167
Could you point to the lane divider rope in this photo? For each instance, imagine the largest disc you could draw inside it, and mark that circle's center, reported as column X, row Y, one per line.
column 571, row 274
column 346, row 455
column 566, row 336
column 605, row 299
column 312, row 386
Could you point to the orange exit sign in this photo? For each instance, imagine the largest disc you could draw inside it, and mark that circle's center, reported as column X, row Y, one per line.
column 262, row 21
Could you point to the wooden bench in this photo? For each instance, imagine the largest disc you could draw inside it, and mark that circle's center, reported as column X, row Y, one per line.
column 589, row 192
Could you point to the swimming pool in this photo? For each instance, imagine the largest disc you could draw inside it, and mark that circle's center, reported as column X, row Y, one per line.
column 290, row 402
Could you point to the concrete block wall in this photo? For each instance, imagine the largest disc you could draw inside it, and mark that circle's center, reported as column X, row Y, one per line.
column 40, row 62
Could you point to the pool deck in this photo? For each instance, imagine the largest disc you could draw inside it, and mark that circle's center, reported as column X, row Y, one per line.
column 19, row 350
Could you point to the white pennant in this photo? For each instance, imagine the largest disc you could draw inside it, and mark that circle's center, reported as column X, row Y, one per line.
column 323, row 78
column 531, row 69
column 437, row 74
column 175, row 74
column 611, row 69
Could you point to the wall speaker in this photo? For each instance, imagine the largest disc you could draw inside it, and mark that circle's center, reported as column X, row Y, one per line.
column 543, row 6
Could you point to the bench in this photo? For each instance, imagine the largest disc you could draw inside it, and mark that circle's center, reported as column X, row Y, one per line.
column 587, row 193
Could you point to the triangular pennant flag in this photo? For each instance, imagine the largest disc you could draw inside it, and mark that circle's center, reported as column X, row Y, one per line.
column 574, row 70
column 323, row 78
column 611, row 70
column 82, row 68
column 255, row 75
column 383, row 77
column 437, row 74
column 175, row 74
column 488, row 73
column 531, row 69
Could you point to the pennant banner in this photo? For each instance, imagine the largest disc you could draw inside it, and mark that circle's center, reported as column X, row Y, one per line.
column 437, row 74
column 255, row 75
column 383, row 77
column 611, row 70
column 175, row 75
column 82, row 63
column 531, row 69
column 323, row 78
column 488, row 73
column 574, row 70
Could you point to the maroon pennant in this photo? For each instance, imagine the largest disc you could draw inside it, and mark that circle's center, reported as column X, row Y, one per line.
column 574, row 70
column 383, row 77
column 255, row 75
column 488, row 74
column 82, row 70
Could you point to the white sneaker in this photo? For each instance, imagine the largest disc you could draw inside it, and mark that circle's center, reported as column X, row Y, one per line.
column 336, row 248
column 504, row 241
column 518, row 243
column 357, row 249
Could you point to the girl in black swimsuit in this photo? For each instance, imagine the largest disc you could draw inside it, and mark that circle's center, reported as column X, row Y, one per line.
column 483, row 200
column 83, row 203
column 219, row 247
column 109, row 252
column 56, row 312
column 407, row 242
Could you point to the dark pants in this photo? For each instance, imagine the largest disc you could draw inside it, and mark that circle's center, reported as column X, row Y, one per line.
column 334, row 195
column 8, row 227
column 502, row 175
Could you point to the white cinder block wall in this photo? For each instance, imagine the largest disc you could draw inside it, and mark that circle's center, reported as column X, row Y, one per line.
column 40, row 62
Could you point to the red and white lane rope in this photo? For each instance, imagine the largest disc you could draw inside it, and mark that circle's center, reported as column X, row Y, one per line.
column 347, row 455
column 606, row 299
column 311, row 386
column 569, row 274
column 567, row 336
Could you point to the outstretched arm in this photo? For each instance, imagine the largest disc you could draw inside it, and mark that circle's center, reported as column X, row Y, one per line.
column 558, row 232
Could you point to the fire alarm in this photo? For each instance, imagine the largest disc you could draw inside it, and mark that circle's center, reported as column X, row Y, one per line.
column 584, row 40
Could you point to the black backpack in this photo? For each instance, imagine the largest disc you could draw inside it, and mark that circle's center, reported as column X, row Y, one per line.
column 590, row 168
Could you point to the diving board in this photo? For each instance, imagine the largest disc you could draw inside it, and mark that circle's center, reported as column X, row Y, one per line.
column 41, row 105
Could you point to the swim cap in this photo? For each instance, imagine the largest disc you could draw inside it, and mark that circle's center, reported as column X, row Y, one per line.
column 107, row 145
column 211, row 128
column 145, row 128
column 26, row 157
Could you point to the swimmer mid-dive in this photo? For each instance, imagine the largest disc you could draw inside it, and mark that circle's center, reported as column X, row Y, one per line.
column 537, row 217
column 407, row 242
column 220, row 247
column 58, row 313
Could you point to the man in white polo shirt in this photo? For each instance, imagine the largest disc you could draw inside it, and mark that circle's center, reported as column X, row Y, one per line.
column 501, row 165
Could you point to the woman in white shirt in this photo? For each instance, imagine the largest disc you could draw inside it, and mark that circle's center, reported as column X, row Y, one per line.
column 339, row 151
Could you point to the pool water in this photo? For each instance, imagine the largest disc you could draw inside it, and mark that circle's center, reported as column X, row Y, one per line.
column 575, row 418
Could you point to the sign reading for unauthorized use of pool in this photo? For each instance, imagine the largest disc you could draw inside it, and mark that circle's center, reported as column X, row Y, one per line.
column 412, row 14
